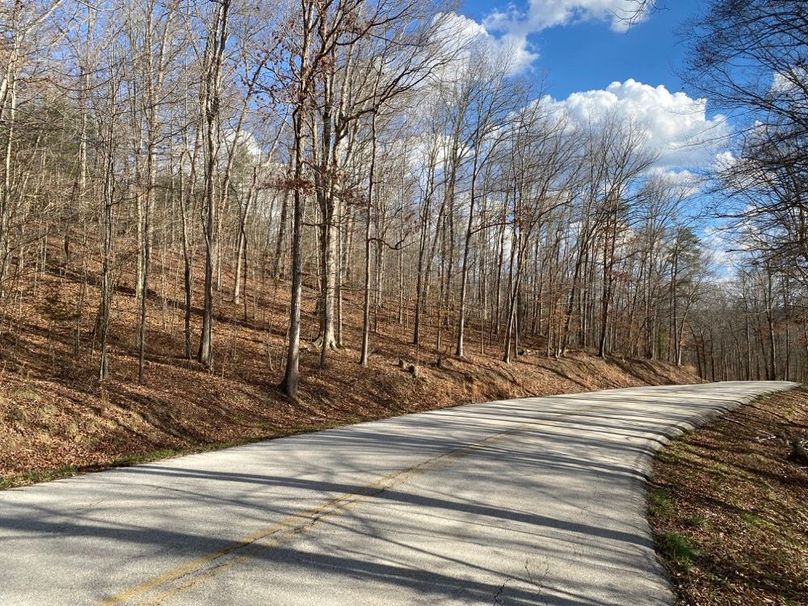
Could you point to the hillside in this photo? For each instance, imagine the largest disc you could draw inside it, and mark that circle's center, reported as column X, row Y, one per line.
column 55, row 418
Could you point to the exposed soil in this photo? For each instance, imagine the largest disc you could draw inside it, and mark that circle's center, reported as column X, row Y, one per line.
column 55, row 418
column 730, row 510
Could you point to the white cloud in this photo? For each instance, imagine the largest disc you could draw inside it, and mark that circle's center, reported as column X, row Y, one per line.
column 790, row 84
column 686, row 181
column 246, row 139
column 469, row 38
column 516, row 24
column 505, row 32
column 720, row 251
column 724, row 161
column 677, row 126
column 543, row 14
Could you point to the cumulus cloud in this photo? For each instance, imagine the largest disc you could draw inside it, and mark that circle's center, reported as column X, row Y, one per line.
column 505, row 32
column 517, row 24
column 469, row 38
column 677, row 126
column 543, row 14
column 724, row 161
column 247, row 140
column 721, row 253
column 686, row 181
column 790, row 85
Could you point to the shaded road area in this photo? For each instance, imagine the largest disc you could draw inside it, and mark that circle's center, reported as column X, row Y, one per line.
column 529, row 501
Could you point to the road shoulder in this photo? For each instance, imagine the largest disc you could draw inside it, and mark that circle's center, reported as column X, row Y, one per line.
column 727, row 506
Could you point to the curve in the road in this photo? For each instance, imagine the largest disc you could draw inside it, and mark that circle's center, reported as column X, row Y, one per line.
column 532, row 501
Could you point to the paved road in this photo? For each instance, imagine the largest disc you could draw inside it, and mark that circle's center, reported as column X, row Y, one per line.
column 531, row 501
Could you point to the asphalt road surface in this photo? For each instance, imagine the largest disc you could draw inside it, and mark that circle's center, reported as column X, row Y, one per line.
column 530, row 501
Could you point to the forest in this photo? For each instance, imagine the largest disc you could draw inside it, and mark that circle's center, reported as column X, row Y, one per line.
column 167, row 161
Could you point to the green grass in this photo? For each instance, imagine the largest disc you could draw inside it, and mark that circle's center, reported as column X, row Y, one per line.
column 34, row 477
column 755, row 520
column 679, row 549
column 48, row 475
column 660, row 503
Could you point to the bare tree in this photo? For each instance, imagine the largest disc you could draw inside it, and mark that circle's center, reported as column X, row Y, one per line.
column 211, row 133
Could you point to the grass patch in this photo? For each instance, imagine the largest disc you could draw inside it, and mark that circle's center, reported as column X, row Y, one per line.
column 754, row 519
column 34, row 477
column 660, row 503
column 679, row 549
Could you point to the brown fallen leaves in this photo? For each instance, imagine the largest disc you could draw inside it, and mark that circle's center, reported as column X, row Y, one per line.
column 56, row 419
column 730, row 510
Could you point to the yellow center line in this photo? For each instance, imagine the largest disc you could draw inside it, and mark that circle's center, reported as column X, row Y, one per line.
column 290, row 526
column 292, row 522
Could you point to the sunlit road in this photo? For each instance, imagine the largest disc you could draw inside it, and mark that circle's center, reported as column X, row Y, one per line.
column 532, row 501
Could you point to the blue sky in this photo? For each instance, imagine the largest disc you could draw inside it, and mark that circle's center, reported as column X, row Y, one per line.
column 593, row 62
column 589, row 55
column 590, row 62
